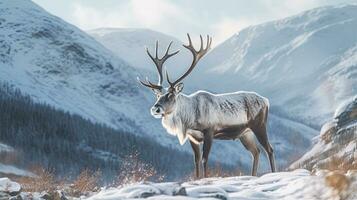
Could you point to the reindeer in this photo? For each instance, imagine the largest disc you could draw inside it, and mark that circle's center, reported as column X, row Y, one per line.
column 202, row 116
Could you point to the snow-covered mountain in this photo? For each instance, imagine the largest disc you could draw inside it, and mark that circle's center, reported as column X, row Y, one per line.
column 306, row 64
column 131, row 44
column 59, row 64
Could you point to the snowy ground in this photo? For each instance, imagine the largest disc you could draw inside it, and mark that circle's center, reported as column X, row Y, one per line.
column 298, row 184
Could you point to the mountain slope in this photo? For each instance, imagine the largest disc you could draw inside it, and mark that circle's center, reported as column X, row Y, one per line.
column 305, row 64
column 130, row 44
column 336, row 145
column 36, row 135
column 58, row 64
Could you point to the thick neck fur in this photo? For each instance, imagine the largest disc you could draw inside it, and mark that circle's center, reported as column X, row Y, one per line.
column 178, row 121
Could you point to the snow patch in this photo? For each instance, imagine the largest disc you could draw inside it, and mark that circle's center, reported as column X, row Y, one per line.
column 298, row 184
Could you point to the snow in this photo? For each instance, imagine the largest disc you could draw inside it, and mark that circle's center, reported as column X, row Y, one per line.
column 5, row 148
column 9, row 169
column 8, row 186
column 130, row 44
column 297, row 184
column 328, row 126
column 345, row 106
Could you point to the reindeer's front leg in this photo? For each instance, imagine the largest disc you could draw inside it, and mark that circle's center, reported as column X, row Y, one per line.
column 197, row 157
column 207, row 143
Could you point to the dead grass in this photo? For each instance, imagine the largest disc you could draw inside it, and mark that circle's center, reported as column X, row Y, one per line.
column 340, row 184
column 87, row 181
column 44, row 181
column 216, row 171
column 328, row 135
column 336, row 178
column 336, row 163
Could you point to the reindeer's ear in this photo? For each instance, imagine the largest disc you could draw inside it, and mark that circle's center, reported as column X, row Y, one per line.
column 178, row 88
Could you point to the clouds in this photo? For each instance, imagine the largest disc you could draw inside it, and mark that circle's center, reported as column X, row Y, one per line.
column 283, row 8
column 133, row 13
column 218, row 18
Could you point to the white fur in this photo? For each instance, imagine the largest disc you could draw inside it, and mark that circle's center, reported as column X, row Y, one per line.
column 212, row 115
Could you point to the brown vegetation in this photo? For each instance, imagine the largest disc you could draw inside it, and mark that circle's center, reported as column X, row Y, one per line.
column 87, row 181
column 216, row 171
column 336, row 163
column 133, row 170
column 44, row 181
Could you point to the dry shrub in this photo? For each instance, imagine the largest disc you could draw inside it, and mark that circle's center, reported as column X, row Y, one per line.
column 216, row 171
column 339, row 183
column 44, row 181
column 339, row 164
column 133, row 170
column 87, row 181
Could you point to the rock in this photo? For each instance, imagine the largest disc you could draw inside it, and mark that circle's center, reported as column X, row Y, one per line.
column 9, row 187
column 46, row 196
column 4, row 196
column 180, row 192
column 17, row 197
column 59, row 195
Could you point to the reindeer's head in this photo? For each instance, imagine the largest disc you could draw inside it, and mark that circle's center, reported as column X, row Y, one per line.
column 166, row 98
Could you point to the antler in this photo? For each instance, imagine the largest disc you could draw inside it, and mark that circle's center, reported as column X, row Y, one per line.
column 197, row 55
column 159, row 64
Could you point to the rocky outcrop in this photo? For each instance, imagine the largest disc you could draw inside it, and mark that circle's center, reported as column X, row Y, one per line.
column 336, row 146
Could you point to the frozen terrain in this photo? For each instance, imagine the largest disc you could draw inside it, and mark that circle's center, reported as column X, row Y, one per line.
column 298, row 184
column 294, row 185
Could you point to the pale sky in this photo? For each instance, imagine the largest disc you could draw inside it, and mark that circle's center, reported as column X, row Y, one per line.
column 220, row 18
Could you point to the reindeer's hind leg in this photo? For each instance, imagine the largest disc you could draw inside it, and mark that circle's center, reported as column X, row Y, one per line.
column 259, row 127
column 261, row 134
column 248, row 141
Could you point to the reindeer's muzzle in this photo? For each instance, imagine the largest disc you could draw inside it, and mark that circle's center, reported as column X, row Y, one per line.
column 157, row 111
